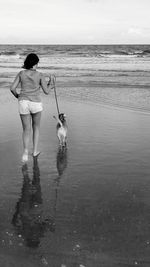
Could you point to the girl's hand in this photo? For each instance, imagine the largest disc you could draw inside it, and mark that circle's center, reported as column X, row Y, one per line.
column 52, row 80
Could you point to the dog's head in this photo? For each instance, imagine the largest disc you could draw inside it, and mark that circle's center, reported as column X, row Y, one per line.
column 62, row 117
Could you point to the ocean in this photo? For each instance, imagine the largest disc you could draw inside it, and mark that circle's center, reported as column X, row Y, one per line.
column 99, row 69
column 79, row 57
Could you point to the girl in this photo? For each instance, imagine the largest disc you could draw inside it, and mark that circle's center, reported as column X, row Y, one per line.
column 29, row 100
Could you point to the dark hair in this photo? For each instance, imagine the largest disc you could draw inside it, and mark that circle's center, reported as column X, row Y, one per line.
column 31, row 60
column 61, row 117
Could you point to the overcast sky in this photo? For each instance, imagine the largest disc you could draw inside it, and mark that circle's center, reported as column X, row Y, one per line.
column 75, row 21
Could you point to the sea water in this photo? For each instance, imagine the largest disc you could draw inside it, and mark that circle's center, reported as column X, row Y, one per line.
column 117, row 74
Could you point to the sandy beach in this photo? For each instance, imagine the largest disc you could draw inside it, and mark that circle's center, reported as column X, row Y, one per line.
column 88, row 205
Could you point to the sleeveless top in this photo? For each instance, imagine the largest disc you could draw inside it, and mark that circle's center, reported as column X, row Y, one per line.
column 30, row 81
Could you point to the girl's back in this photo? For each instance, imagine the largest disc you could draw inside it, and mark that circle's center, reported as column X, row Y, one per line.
column 30, row 85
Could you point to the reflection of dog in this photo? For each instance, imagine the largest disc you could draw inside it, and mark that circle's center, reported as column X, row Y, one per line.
column 61, row 129
column 61, row 160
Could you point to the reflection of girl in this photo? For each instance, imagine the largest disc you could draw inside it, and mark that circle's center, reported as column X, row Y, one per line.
column 30, row 105
column 28, row 218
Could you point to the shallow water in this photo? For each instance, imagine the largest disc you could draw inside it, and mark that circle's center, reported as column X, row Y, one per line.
column 85, row 206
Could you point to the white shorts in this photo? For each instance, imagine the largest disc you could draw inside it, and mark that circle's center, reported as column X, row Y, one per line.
column 27, row 107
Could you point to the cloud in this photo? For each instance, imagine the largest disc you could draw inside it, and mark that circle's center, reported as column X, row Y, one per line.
column 135, row 31
column 139, row 31
column 76, row 20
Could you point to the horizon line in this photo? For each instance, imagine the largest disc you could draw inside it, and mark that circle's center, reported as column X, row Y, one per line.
column 73, row 44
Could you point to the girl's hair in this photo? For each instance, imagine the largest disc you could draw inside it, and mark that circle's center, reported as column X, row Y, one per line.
column 31, row 60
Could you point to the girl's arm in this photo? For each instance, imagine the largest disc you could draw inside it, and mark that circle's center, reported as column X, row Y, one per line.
column 15, row 85
column 47, row 86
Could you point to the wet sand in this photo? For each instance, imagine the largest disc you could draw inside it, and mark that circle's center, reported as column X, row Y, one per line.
column 85, row 206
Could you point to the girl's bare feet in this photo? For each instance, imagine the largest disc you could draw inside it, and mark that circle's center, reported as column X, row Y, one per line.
column 25, row 156
column 36, row 154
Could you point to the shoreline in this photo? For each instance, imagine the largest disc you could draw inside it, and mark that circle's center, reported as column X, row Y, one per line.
column 64, row 94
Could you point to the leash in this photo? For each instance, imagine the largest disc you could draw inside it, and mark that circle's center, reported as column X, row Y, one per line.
column 56, row 95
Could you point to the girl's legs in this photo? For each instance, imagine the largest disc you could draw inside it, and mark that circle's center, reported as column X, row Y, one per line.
column 36, row 119
column 26, row 125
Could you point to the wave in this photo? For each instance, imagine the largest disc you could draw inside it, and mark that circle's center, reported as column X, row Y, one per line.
column 106, row 53
column 125, row 53
column 76, row 51
column 9, row 55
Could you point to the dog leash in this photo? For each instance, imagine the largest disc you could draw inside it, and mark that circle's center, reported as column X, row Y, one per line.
column 56, row 95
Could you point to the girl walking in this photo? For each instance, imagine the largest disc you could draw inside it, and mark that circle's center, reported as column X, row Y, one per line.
column 29, row 101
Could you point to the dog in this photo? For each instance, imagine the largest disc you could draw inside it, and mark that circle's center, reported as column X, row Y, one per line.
column 61, row 129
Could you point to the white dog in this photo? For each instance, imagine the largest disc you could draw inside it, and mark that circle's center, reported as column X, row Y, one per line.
column 61, row 129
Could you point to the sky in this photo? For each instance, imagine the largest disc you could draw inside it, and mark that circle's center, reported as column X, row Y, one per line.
column 74, row 21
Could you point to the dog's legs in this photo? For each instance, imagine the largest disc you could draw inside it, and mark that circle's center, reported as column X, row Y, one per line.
column 60, row 140
column 64, row 143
